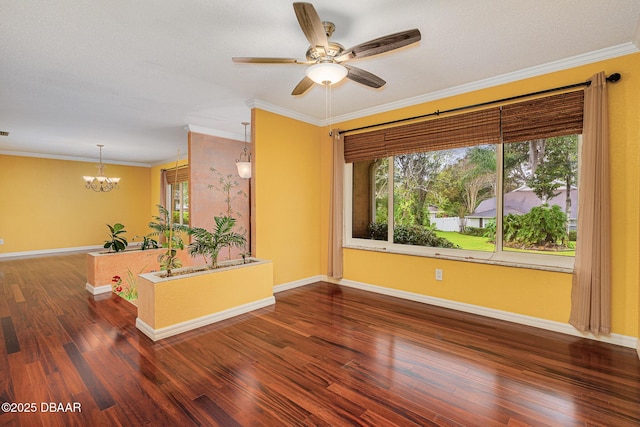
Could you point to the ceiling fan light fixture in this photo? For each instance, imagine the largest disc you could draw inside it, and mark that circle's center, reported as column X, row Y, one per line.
column 326, row 72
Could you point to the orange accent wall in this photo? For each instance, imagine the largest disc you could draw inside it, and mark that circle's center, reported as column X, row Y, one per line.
column 206, row 202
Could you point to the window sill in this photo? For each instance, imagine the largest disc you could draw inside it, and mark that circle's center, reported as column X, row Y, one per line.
column 558, row 264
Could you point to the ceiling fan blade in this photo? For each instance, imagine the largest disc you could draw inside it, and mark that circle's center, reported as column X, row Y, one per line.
column 304, row 85
column 364, row 77
column 381, row 45
column 311, row 24
column 251, row 60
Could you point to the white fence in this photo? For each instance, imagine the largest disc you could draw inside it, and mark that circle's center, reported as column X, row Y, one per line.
column 447, row 224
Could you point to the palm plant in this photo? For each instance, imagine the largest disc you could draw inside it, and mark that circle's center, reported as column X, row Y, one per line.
column 164, row 228
column 208, row 244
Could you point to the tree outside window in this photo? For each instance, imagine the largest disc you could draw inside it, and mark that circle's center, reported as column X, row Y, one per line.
column 447, row 198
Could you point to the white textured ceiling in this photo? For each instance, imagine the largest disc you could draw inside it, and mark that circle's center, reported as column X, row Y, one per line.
column 130, row 74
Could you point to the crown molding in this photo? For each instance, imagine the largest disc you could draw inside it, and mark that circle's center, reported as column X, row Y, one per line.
column 173, row 160
column 538, row 70
column 71, row 158
column 257, row 103
column 214, row 132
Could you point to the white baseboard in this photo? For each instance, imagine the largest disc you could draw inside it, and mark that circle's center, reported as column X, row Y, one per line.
column 97, row 290
column 550, row 325
column 50, row 251
column 298, row 283
column 178, row 328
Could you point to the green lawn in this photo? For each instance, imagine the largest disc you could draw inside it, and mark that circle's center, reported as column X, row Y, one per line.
column 473, row 243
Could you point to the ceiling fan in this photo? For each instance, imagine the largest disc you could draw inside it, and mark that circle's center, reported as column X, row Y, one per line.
column 327, row 58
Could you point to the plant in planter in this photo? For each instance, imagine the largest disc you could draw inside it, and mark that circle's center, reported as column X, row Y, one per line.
column 208, row 244
column 148, row 243
column 165, row 229
column 117, row 242
column 171, row 232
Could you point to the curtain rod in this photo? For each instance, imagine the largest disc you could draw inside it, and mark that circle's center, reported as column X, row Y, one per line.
column 612, row 78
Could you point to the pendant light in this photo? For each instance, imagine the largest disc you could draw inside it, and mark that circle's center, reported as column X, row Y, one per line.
column 244, row 166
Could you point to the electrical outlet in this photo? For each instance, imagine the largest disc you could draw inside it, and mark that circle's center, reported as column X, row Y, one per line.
column 1, row 241
column 438, row 274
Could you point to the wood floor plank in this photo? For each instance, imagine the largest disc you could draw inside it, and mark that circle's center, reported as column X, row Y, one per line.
column 10, row 337
column 17, row 293
column 323, row 355
column 101, row 396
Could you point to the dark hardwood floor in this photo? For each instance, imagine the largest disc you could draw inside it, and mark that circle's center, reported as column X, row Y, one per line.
column 323, row 355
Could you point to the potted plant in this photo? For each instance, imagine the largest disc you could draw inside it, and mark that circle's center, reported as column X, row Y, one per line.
column 189, row 298
column 103, row 266
column 147, row 242
column 117, row 242
column 171, row 233
column 208, row 244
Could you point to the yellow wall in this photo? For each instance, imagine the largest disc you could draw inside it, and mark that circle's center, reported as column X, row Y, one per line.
column 168, row 302
column 287, row 185
column 46, row 206
column 529, row 292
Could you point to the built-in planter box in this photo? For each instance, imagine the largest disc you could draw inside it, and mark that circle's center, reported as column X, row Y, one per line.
column 171, row 305
column 102, row 266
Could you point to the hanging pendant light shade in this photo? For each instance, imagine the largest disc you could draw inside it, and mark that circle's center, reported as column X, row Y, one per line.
column 100, row 183
column 244, row 165
column 244, row 169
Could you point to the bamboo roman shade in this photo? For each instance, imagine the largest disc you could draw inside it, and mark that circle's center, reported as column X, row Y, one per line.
column 534, row 119
column 177, row 175
column 543, row 117
column 474, row 128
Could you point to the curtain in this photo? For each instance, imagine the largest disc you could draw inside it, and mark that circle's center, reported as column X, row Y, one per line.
column 336, row 219
column 163, row 188
column 591, row 287
column 163, row 197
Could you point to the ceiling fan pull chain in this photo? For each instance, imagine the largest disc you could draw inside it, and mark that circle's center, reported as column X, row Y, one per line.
column 327, row 104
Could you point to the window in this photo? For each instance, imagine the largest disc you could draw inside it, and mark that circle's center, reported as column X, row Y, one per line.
column 177, row 194
column 540, row 194
column 512, row 200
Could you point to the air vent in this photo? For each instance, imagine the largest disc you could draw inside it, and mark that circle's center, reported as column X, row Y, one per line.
column 3, row 133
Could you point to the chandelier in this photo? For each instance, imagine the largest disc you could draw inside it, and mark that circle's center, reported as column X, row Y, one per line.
column 101, row 183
